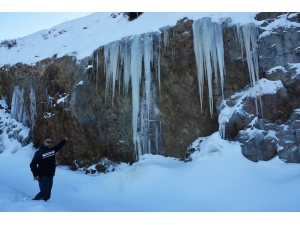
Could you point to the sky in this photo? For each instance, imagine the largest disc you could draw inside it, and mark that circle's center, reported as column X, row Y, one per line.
column 20, row 24
column 218, row 179
column 26, row 17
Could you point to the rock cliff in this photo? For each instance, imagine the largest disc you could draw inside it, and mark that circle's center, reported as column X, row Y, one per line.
column 113, row 115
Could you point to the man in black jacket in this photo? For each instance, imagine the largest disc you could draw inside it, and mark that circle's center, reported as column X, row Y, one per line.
column 43, row 167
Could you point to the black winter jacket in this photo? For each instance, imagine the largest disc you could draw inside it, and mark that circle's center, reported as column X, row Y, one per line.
column 43, row 162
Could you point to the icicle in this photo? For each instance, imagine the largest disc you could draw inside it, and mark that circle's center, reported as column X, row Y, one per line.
column 136, row 73
column 126, row 63
column 198, row 49
column 156, row 55
column 97, row 69
column 111, row 53
column 143, row 136
column 33, row 113
column 249, row 38
column 148, row 59
column 166, row 39
column 165, row 32
column 220, row 56
column 208, row 47
column 240, row 39
column 93, row 64
column 14, row 103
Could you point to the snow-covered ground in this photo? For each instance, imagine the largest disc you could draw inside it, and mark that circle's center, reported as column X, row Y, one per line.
column 218, row 179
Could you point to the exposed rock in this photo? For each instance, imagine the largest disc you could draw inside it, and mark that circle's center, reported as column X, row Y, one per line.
column 72, row 99
column 279, row 47
column 289, row 139
column 100, row 168
column 268, row 15
column 263, row 140
column 257, row 145
column 237, row 122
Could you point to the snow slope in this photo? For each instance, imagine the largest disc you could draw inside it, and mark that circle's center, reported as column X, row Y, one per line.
column 80, row 37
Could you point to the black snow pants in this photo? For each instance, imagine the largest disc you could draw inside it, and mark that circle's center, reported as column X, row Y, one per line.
column 45, row 184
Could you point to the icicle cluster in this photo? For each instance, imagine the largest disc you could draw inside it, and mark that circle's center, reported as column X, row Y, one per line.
column 18, row 110
column 209, row 52
column 247, row 39
column 124, row 61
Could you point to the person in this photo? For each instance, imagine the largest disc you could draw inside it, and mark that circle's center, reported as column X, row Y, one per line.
column 43, row 167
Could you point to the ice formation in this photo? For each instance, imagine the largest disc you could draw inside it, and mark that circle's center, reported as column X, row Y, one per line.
column 112, row 68
column 247, row 39
column 247, row 35
column 134, row 61
column 126, row 59
column 33, row 113
column 209, row 52
column 18, row 110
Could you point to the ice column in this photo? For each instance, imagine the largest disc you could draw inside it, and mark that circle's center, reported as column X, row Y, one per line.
column 148, row 60
column 18, row 110
column 209, row 53
column 136, row 74
column 33, row 113
column 149, row 134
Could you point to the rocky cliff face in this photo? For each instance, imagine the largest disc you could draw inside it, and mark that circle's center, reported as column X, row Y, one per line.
column 111, row 119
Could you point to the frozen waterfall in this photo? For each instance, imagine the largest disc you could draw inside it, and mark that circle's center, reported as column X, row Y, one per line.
column 18, row 110
column 137, row 59
column 134, row 62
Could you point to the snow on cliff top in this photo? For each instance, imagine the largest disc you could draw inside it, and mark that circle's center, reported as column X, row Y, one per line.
column 80, row 37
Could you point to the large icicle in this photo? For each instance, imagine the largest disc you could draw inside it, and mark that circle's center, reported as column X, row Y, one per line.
column 148, row 60
column 126, row 64
column 136, row 74
column 149, row 133
column 209, row 53
column 33, row 113
column 111, row 53
column 97, row 69
column 156, row 59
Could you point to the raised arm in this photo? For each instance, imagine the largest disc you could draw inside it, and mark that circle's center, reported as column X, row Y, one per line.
column 60, row 144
